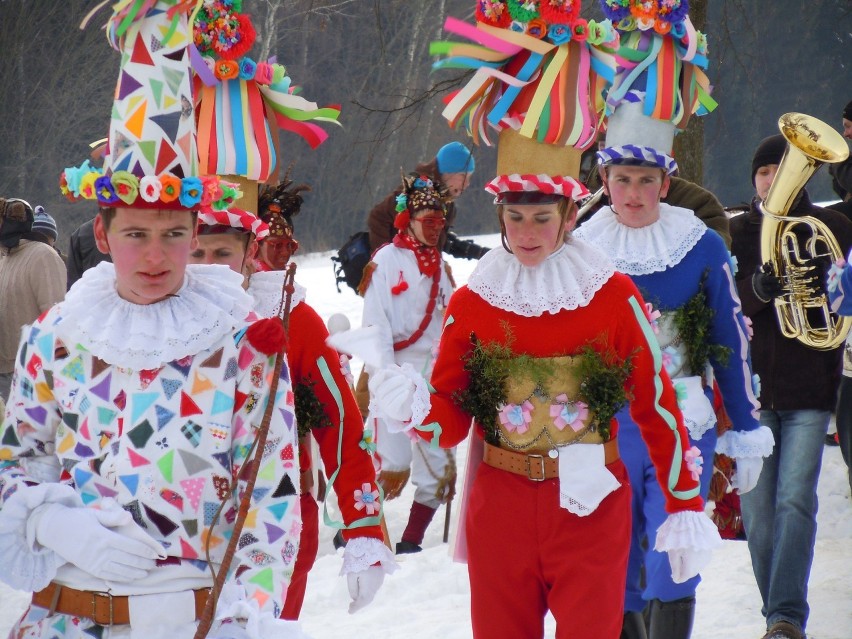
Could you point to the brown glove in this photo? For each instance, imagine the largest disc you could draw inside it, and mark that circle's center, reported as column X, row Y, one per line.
column 393, row 481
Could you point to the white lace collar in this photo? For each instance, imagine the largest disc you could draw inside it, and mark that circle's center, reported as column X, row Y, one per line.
column 645, row 250
column 210, row 304
column 567, row 279
column 265, row 288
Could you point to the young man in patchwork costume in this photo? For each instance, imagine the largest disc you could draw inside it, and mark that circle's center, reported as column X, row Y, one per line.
column 136, row 402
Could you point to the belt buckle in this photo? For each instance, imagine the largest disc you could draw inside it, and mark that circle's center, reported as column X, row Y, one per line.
column 540, row 459
column 95, row 595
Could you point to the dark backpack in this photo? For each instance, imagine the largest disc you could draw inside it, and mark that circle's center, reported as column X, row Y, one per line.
column 351, row 260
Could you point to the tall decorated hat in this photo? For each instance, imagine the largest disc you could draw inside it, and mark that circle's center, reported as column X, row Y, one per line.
column 244, row 102
column 659, row 81
column 151, row 156
column 277, row 206
column 540, row 70
column 418, row 194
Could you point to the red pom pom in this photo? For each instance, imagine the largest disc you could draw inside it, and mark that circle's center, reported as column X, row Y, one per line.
column 267, row 336
column 402, row 220
column 401, row 285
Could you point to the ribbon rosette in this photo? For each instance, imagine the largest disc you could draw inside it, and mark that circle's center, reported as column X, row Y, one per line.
column 672, row 359
column 694, row 462
column 367, row 443
column 565, row 413
column 653, row 316
column 367, row 500
column 515, row 417
column 834, row 275
column 346, row 369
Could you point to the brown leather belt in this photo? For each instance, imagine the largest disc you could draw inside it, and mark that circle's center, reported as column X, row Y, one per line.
column 101, row 607
column 534, row 466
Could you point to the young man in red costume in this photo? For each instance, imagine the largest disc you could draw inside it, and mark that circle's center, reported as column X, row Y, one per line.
column 325, row 409
column 542, row 327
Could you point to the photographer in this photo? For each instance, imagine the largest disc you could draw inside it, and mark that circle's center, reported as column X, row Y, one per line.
column 450, row 172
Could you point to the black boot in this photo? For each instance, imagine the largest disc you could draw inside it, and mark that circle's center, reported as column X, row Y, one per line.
column 672, row 619
column 633, row 626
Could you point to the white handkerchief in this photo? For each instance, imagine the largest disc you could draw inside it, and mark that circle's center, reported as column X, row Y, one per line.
column 584, row 479
column 162, row 616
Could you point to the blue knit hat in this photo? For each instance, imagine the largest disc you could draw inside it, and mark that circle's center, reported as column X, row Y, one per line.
column 455, row 157
column 44, row 223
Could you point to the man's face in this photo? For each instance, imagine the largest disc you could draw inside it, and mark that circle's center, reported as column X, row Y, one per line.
column 847, row 129
column 635, row 193
column 455, row 184
column 150, row 249
column 277, row 251
column 763, row 179
column 233, row 250
column 427, row 225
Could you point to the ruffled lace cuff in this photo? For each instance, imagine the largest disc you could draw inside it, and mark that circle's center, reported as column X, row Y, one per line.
column 688, row 529
column 24, row 565
column 363, row 552
column 421, row 403
column 752, row 443
column 238, row 617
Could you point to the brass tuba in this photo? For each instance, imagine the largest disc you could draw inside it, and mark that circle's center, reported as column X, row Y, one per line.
column 803, row 311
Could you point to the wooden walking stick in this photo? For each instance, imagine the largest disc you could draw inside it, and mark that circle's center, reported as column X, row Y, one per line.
column 248, row 471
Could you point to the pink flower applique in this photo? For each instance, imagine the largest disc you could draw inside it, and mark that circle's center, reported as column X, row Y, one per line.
column 366, row 499
column 749, row 327
column 565, row 413
column 672, row 360
column 653, row 316
column 516, row 418
column 346, row 369
column 694, row 462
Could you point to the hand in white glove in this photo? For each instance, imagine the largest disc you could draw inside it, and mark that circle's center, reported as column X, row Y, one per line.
column 687, row 562
column 104, row 543
column 392, row 394
column 746, row 474
column 363, row 586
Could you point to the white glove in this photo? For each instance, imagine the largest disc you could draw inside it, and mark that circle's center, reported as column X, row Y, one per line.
column 363, row 586
column 105, row 543
column 392, row 394
column 746, row 474
column 687, row 562
column 689, row 538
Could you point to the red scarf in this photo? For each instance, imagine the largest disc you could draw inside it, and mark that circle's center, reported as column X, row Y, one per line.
column 428, row 257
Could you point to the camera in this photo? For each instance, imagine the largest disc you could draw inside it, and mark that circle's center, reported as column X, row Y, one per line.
column 465, row 249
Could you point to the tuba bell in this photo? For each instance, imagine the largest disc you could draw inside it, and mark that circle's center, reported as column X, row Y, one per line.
column 803, row 310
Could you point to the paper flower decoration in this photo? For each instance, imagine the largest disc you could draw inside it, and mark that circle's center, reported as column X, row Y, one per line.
column 566, row 413
column 694, row 462
column 367, row 500
column 516, row 417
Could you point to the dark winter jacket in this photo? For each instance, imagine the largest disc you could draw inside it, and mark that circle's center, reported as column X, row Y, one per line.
column 380, row 220
column 792, row 375
column 83, row 254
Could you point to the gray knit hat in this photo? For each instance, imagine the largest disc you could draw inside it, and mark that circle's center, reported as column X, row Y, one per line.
column 44, row 223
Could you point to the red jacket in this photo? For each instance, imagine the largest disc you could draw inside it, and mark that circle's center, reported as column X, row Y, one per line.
column 614, row 318
column 311, row 361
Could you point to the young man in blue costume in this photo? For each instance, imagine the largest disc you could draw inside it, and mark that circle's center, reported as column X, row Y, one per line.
column 685, row 274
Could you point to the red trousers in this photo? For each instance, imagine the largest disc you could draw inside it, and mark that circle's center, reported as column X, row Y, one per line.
column 527, row 555
column 307, row 555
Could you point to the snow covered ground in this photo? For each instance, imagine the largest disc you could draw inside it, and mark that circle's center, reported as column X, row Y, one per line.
column 429, row 597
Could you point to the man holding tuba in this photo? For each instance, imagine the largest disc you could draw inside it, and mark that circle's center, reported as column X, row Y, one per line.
column 798, row 384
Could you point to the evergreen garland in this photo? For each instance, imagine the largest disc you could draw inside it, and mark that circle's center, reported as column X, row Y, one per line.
column 693, row 321
column 310, row 412
column 602, row 387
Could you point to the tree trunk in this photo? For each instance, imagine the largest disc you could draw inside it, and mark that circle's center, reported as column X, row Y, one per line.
column 689, row 144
